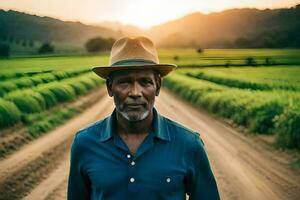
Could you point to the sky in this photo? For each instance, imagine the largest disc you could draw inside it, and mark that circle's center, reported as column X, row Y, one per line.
column 141, row 13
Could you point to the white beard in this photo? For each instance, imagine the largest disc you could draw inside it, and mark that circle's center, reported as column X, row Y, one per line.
column 134, row 119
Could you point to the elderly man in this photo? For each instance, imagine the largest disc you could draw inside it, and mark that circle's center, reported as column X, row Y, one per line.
column 135, row 153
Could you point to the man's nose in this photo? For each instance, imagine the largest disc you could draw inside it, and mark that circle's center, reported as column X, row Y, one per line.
column 135, row 91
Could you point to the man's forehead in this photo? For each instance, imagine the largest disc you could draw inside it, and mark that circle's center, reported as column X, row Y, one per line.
column 133, row 73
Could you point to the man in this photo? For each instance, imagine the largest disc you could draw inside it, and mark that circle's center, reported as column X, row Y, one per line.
column 135, row 153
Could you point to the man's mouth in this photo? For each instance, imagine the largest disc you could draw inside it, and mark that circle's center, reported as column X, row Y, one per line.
column 135, row 105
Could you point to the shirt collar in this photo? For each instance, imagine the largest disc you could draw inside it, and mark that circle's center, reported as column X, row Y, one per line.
column 159, row 127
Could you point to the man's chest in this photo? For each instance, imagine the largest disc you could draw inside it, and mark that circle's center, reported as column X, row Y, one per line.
column 133, row 143
column 156, row 170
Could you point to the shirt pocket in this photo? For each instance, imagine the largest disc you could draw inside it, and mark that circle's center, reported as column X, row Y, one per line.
column 164, row 183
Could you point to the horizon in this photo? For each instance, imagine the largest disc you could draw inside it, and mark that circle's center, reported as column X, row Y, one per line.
column 140, row 18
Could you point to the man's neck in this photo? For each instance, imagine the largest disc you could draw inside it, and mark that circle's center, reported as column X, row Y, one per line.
column 141, row 127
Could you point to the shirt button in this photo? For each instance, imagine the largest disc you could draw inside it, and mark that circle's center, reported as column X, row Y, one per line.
column 132, row 180
column 128, row 156
column 168, row 180
column 132, row 163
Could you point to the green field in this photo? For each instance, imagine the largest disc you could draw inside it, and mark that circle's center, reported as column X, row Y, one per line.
column 265, row 100
column 216, row 57
column 263, row 97
column 186, row 57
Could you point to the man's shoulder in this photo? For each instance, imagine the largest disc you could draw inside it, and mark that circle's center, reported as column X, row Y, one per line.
column 91, row 130
column 179, row 130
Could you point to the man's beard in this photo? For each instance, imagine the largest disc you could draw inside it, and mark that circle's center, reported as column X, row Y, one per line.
column 134, row 118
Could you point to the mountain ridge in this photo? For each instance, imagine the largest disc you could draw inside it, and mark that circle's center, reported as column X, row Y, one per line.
column 233, row 28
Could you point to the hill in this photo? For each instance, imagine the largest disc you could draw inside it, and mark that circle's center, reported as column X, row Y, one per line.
column 22, row 26
column 235, row 28
column 243, row 28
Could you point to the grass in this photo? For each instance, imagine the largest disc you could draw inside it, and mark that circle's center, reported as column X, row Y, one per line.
column 62, row 63
column 262, row 78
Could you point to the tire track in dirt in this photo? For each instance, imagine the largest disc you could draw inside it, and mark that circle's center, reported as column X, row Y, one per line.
column 60, row 174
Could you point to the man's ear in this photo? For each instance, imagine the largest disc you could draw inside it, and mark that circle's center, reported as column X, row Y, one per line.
column 158, row 85
column 109, row 87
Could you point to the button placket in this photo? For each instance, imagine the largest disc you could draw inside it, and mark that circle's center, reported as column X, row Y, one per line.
column 131, row 174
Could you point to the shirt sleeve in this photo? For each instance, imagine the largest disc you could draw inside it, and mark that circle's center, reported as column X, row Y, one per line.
column 78, row 183
column 201, row 184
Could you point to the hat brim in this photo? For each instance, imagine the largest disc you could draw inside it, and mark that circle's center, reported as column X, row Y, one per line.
column 163, row 69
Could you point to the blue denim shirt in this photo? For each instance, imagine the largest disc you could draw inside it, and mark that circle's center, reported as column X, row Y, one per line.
column 170, row 163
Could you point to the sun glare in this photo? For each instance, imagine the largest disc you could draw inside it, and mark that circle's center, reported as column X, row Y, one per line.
column 142, row 13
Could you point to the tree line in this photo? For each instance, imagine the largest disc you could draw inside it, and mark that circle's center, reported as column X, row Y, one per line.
column 93, row 45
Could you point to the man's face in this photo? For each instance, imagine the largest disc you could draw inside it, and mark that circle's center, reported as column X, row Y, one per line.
column 134, row 92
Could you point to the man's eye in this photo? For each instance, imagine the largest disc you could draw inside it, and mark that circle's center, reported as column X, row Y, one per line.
column 148, row 82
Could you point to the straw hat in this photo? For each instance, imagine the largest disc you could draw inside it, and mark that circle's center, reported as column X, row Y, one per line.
column 133, row 53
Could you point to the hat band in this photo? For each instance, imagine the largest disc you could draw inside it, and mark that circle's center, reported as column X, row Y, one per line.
column 133, row 62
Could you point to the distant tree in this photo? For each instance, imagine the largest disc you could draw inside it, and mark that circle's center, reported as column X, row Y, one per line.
column 24, row 43
column 17, row 41
column 99, row 44
column 31, row 43
column 250, row 61
column 4, row 51
column 267, row 61
column 200, row 50
column 46, row 47
column 4, row 37
column 11, row 39
column 176, row 57
column 227, row 64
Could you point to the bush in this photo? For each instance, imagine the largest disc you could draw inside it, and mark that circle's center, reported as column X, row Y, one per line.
column 27, row 101
column 288, row 127
column 46, row 48
column 263, row 115
column 99, row 44
column 78, row 87
column 200, row 50
column 6, row 87
column 4, row 51
column 60, row 75
column 9, row 113
column 250, row 61
column 176, row 58
column 24, row 82
column 50, row 99
column 62, row 91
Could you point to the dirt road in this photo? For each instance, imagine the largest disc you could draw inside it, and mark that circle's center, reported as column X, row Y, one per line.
column 244, row 168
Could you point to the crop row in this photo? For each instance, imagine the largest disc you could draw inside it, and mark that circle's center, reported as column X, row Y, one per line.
column 42, row 97
column 242, row 83
column 36, row 79
column 264, row 112
column 16, row 75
